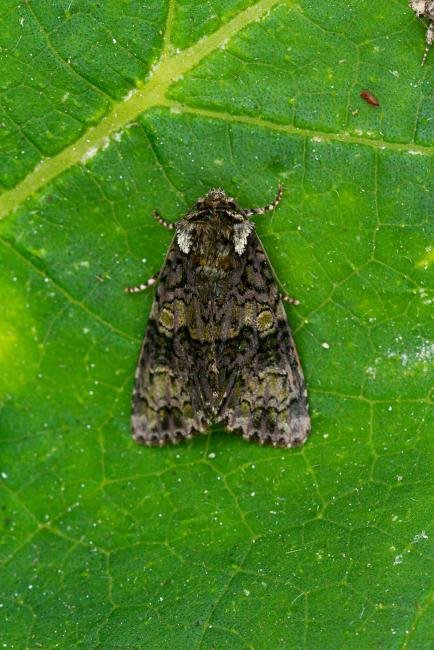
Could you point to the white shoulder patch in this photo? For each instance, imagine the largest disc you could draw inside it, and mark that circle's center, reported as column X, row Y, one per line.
column 183, row 237
column 241, row 234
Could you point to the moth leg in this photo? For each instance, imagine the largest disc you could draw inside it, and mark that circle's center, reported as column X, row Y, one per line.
column 142, row 287
column 286, row 298
column 162, row 220
column 429, row 40
column 267, row 208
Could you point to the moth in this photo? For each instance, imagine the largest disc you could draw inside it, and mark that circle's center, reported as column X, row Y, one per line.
column 218, row 347
column 369, row 97
column 425, row 9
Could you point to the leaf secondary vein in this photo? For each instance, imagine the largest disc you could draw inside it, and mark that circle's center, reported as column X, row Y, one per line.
column 326, row 136
column 153, row 93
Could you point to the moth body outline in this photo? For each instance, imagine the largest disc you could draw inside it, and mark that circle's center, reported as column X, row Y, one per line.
column 218, row 347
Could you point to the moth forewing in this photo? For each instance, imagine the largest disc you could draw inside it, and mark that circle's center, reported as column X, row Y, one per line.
column 218, row 347
column 268, row 400
column 164, row 405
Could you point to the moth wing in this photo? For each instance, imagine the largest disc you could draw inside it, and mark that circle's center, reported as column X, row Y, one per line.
column 167, row 405
column 266, row 398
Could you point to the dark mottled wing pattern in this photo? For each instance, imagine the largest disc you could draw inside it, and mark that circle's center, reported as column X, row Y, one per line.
column 167, row 404
column 265, row 400
column 219, row 349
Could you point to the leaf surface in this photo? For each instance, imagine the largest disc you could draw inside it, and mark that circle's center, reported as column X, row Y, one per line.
column 111, row 110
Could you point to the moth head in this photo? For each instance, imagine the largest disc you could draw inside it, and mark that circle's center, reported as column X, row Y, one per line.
column 217, row 200
column 215, row 218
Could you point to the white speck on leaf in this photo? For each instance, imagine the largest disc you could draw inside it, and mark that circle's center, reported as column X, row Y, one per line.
column 129, row 94
column 90, row 153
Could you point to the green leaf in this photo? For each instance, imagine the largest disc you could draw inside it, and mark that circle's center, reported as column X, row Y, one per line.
column 109, row 110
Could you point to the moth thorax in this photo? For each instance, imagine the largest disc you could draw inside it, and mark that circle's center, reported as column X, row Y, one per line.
column 213, row 250
column 213, row 260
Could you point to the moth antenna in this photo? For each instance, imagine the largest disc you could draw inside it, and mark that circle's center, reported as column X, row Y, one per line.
column 251, row 212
